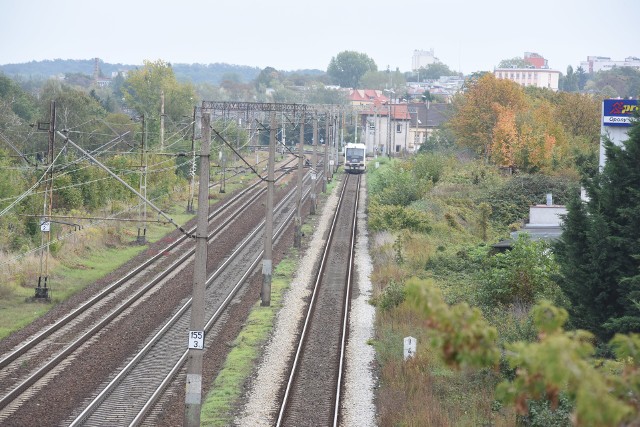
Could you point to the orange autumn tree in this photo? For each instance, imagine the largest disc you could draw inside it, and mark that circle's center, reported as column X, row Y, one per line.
column 505, row 137
column 476, row 117
column 542, row 140
column 530, row 140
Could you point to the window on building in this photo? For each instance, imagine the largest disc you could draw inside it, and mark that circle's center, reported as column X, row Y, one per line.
column 398, row 128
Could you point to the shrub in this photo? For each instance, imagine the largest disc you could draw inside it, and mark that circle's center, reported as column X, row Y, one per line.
column 522, row 275
column 429, row 166
column 393, row 217
column 396, row 185
column 392, row 296
column 510, row 202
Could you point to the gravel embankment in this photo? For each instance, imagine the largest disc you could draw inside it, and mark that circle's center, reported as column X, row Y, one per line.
column 358, row 408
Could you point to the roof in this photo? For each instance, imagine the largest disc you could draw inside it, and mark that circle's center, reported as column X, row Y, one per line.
column 430, row 115
column 398, row 111
column 366, row 95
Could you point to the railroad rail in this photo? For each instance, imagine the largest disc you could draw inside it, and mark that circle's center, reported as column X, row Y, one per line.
column 46, row 351
column 131, row 394
column 313, row 391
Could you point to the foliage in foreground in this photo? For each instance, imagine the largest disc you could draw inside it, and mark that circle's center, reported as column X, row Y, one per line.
column 605, row 393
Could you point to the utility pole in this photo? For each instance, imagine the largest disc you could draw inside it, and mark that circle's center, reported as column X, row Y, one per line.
column 193, row 393
column 142, row 231
column 42, row 291
column 314, row 164
column 336, row 119
column 161, row 120
column 267, row 258
column 192, row 175
column 297, row 233
column 355, row 138
column 284, row 136
column 376, row 131
column 223, row 163
column 326, row 153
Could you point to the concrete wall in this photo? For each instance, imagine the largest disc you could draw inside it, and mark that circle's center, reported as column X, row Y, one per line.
column 546, row 215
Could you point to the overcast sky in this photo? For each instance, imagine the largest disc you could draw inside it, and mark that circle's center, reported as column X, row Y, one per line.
column 467, row 35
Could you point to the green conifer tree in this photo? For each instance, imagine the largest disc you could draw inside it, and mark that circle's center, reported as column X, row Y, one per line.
column 599, row 251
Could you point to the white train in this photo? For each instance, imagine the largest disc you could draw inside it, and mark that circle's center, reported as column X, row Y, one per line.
column 355, row 158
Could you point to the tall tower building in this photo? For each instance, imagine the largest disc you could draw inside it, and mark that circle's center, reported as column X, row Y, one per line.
column 422, row 59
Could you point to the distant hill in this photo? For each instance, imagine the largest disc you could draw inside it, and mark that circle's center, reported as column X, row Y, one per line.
column 196, row 73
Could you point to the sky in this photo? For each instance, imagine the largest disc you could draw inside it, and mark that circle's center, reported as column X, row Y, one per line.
column 466, row 35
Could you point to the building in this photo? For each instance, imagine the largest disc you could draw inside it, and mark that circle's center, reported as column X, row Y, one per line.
column 542, row 78
column 535, row 60
column 425, row 119
column 422, row 59
column 545, row 223
column 593, row 64
column 384, row 128
column 366, row 96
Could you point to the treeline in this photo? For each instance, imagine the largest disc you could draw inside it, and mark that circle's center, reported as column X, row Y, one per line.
column 618, row 82
column 214, row 73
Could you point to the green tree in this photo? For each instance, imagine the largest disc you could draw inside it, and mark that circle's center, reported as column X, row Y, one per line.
column 435, row 71
column 348, row 67
column 515, row 62
column 582, row 77
column 569, row 83
column 15, row 103
column 375, row 80
column 599, row 250
column 619, row 81
column 143, row 90
column 266, row 79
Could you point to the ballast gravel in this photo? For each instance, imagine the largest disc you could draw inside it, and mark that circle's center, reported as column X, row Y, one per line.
column 261, row 408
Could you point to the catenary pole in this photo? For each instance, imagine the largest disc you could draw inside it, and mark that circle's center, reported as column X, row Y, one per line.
column 267, row 259
column 297, row 235
column 314, row 164
column 193, row 388
column 326, row 153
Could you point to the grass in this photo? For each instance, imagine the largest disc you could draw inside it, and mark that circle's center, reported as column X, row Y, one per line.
column 423, row 391
column 81, row 260
column 218, row 407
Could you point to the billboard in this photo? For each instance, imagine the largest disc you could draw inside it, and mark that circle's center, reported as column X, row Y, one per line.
column 618, row 112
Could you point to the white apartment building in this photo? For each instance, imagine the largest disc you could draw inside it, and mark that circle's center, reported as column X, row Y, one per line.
column 539, row 77
column 422, row 59
column 593, row 64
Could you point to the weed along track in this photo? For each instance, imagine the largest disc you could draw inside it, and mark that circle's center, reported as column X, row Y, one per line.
column 59, row 372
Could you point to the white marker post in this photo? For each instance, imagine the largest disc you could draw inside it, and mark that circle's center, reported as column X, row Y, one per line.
column 409, row 347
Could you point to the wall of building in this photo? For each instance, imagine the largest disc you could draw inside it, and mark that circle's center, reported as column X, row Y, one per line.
column 546, row 215
column 422, row 59
column 530, row 77
column 593, row 64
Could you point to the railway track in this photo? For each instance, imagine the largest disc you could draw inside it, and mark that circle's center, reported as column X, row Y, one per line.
column 313, row 391
column 53, row 350
column 131, row 394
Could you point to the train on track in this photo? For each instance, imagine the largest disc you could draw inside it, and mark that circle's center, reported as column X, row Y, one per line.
column 355, row 158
